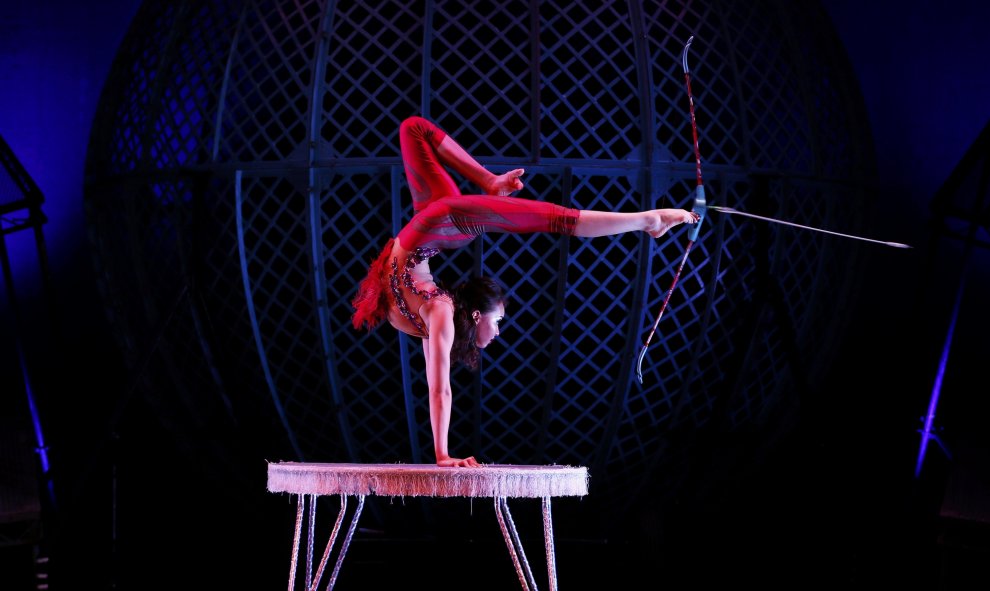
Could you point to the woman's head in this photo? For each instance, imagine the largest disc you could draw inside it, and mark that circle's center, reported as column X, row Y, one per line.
column 479, row 305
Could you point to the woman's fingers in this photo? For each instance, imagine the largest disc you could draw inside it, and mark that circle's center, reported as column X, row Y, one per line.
column 469, row 462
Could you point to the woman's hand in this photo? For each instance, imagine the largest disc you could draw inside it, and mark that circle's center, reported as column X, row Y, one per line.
column 504, row 184
column 659, row 221
column 449, row 462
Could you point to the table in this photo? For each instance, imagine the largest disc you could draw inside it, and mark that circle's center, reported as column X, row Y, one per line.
column 308, row 480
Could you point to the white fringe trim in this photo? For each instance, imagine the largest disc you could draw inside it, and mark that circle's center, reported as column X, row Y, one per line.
column 419, row 480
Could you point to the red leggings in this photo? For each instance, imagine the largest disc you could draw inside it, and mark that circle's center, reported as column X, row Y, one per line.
column 446, row 219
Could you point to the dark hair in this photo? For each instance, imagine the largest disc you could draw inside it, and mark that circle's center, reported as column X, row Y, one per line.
column 477, row 293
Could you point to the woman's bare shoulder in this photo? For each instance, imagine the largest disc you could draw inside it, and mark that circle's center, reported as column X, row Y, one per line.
column 438, row 314
column 441, row 303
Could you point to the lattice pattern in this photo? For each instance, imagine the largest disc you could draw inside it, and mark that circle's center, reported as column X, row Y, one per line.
column 367, row 93
column 221, row 288
column 268, row 93
column 277, row 242
column 779, row 134
column 589, row 96
column 305, row 98
column 489, row 95
column 184, row 128
column 668, row 25
column 356, row 211
column 600, row 276
column 518, row 387
column 125, row 116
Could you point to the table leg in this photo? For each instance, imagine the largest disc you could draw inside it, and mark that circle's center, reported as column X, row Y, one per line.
column 293, row 560
column 515, row 546
column 311, row 585
column 330, row 544
column 347, row 543
column 310, row 540
column 548, row 538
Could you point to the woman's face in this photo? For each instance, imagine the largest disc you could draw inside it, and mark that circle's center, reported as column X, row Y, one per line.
column 487, row 325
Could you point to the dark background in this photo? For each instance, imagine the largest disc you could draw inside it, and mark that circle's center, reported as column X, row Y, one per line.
column 837, row 502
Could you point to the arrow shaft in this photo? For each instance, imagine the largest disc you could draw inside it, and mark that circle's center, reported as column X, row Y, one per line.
column 732, row 211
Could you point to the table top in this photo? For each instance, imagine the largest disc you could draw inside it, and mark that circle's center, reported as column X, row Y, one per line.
column 414, row 480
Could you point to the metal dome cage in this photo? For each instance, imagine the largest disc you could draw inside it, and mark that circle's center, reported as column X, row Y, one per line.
column 244, row 168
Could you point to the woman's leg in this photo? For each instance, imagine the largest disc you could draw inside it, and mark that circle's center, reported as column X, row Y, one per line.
column 425, row 147
column 655, row 222
column 454, row 156
column 428, row 180
column 455, row 221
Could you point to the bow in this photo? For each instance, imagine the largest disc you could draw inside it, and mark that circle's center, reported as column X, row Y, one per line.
column 699, row 207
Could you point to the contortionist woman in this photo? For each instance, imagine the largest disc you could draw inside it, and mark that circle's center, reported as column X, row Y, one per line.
column 456, row 324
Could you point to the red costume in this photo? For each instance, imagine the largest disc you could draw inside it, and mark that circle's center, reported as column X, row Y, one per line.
column 399, row 281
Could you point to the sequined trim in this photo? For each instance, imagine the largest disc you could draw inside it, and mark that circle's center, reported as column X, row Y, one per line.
column 404, row 279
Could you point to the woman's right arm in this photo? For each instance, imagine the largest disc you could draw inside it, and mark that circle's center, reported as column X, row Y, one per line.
column 439, row 317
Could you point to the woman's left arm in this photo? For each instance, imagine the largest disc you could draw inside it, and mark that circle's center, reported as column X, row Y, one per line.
column 439, row 317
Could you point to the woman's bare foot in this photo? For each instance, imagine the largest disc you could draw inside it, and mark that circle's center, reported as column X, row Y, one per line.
column 658, row 221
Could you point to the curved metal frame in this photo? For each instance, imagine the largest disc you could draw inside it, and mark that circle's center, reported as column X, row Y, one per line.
column 314, row 90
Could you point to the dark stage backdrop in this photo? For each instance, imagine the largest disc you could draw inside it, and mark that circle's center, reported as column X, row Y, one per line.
column 243, row 167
